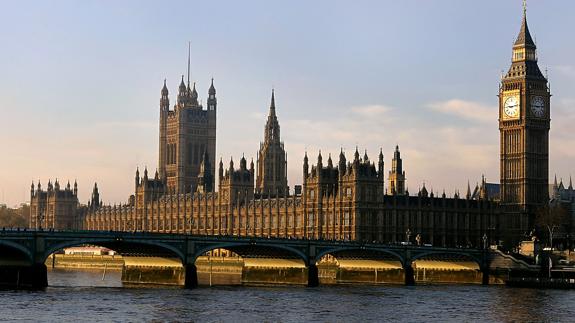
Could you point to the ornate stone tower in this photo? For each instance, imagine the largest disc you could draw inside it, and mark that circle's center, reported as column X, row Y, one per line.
column 397, row 174
column 524, row 121
column 272, row 163
column 186, row 132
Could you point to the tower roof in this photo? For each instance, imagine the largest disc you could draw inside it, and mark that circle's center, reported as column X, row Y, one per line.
column 212, row 89
column 524, row 38
column 164, row 89
column 272, row 130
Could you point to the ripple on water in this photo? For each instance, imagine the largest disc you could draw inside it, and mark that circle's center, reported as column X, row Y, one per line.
column 68, row 302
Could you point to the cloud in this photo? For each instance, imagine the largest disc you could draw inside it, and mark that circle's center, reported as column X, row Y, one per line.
column 371, row 111
column 468, row 110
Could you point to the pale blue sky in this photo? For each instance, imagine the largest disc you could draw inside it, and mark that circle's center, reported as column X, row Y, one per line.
column 80, row 83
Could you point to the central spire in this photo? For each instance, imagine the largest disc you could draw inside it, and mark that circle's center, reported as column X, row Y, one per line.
column 273, row 104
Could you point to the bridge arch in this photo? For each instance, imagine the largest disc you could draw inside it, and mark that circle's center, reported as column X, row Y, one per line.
column 122, row 246
column 373, row 250
column 243, row 249
column 18, row 248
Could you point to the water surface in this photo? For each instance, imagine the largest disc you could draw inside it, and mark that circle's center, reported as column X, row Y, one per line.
column 83, row 295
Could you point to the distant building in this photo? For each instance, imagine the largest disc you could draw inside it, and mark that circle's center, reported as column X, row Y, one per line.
column 54, row 208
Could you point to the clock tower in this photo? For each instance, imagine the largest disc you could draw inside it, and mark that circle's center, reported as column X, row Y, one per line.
column 524, row 121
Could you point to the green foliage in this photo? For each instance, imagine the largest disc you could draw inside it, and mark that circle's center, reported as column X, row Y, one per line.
column 14, row 218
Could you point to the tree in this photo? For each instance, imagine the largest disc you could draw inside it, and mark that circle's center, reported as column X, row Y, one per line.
column 14, row 218
column 551, row 219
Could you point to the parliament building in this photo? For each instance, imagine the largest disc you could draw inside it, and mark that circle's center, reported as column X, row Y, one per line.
column 348, row 198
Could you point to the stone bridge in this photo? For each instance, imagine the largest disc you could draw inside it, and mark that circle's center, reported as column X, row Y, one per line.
column 23, row 253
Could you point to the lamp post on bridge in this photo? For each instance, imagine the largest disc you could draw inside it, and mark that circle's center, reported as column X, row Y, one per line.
column 407, row 234
column 484, row 238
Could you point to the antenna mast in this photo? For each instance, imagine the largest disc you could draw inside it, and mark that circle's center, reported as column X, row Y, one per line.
column 189, row 47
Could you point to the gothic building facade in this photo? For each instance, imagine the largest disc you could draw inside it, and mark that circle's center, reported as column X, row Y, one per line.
column 187, row 134
column 348, row 200
column 272, row 159
column 54, row 207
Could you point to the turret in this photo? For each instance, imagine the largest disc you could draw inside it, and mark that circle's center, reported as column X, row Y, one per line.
column 164, row 100
column 183, row 92
column 212, row 101
column 221, row 170
column 380, row 166
column 243, row 163
column 205, row 176
column 137, row 180
column 194, row 95
column 341, row 163
column 32, row 189
column 75, row 187
column 305, row 166
column 95, row 201
column 397, row 175
column 319, row 164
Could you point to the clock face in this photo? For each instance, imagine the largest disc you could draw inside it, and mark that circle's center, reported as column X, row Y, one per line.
column 538, row 106
column 511, row 107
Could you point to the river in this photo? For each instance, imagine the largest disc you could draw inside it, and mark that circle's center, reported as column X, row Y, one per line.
column 82, row 295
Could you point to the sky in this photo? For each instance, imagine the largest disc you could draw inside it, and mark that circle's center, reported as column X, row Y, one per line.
column 80, row 84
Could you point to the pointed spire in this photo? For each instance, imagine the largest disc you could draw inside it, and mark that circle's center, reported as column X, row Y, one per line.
column 524, row 38
column 356, row 155
column 570, row 183
column 165, row 89
column 273, row 104
column 212, row 89
column 365, row 158
column 329, row 161
column 555, row 181
column 468, row 194
column 194, row 92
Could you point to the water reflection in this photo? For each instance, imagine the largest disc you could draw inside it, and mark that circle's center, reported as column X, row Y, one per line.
column 64, row 301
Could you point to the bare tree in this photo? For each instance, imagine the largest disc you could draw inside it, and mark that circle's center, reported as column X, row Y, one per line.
column 551, row 219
